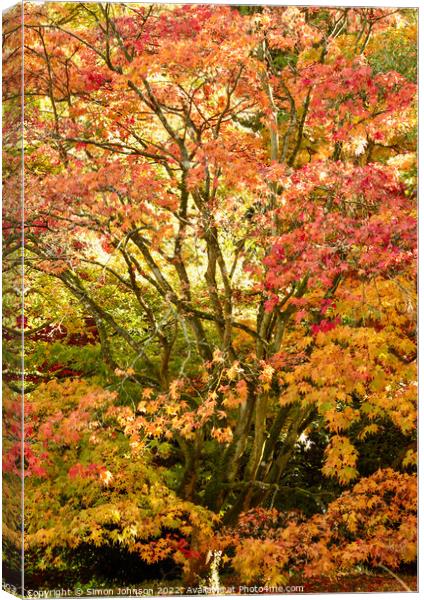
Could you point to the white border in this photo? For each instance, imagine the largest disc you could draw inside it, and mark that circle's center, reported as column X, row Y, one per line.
column 4, row 4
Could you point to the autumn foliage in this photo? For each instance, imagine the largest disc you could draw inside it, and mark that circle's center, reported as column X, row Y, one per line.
column 220, row 252
column 374, row 523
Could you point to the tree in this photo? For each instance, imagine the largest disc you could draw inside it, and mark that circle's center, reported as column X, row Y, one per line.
column 229, row 195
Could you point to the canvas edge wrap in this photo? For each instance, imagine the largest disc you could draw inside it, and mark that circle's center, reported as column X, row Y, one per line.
column 13, row 305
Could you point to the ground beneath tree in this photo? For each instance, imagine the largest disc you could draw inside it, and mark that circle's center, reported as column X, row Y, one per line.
column 360, row 583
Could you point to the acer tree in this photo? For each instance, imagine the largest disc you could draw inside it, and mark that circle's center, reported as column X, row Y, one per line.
column 228, row 193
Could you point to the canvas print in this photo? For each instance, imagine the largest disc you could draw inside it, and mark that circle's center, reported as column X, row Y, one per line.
column 209, row 240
